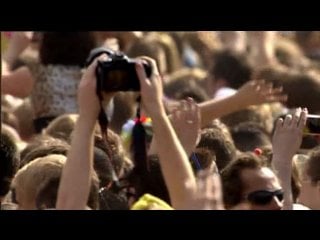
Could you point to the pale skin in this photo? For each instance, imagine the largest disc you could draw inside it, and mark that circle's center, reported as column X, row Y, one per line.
column 286, row 141
column 185, row 119
column 78, row 168
column 255, row 92
column 181, row 184
column 79, row 165
column 260, row 179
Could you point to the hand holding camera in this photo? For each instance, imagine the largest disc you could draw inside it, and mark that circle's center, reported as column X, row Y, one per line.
column 117, row 72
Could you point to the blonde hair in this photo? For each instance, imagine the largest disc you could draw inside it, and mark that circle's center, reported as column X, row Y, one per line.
column 34, row 175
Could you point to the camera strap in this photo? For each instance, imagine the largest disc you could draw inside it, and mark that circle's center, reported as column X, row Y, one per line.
column 138, row 144
column 103, row 123
column 103, row 119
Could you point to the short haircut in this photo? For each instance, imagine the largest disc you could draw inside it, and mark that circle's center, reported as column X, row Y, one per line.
column 231, row 177
column 38, row 182
column 249, row 135
column 9, row 163
column 232, row 67
column 216, row 141
column 313, row 165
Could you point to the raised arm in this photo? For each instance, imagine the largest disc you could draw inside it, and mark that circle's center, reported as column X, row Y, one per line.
column 174, row 162
column 77, row 173
column 286, row 141
column 186, row 120
column 252, row 93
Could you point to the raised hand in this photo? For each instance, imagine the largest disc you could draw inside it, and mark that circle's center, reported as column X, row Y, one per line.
column 208, row 195
column 89, row 106
column 186, row 122
column 258, row 92
column 286, row 141
column 287, row 137
column 151, row 89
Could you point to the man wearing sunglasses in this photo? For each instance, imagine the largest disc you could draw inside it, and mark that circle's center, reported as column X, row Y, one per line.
column 249, row 184
column 248, row 181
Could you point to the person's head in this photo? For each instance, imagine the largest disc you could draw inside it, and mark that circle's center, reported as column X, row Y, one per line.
column 9, row 163
column 25, row 116
column 217, row 141
column 229, row 69
column 114, row 149
column 302, row 87
column 66, row 48
column 35, row 186
column 150, row 48
column 261, row 115
column 186, row 83
column 62, row 126
column 203, row 159
column 249, row 135
column 310, row 191
column 266, row 153
column 248, row 180
column 42, row 146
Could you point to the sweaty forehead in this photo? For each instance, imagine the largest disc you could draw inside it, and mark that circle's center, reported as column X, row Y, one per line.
column 259, row 179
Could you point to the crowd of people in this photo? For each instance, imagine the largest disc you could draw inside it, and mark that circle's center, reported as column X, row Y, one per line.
column 208, row 120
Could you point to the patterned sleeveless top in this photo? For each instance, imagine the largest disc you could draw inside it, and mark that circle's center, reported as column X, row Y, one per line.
column 55, row 89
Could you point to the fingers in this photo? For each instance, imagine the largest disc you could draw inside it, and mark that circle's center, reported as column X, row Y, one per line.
column 298, row 120
column 271, row 94
column 142, row 75
column 303, row 118
column 279, row 123
column 90, row 72
column 152, row 64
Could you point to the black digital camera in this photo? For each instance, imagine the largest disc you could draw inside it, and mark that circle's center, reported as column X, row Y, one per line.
column 118, row 73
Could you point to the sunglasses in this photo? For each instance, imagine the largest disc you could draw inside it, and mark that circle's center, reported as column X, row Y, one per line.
column 264, row 197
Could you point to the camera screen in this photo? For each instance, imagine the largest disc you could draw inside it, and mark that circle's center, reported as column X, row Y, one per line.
column 313, row 125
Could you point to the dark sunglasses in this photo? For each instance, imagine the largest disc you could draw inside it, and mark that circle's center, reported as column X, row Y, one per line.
column 264, row 197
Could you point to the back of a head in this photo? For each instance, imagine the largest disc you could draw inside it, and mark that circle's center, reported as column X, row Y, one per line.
column 42, row 146
column 249, row 135
column 113, row 148
column 185, row 87
column 32, row 178
column 232, row 67
column 302, row 88
column 216, row 141
column 66, row 48
column 261, row 115
column 313, row 165
column 37, row 183
column 62, row 126
column 203, row 159
column 9, row 163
